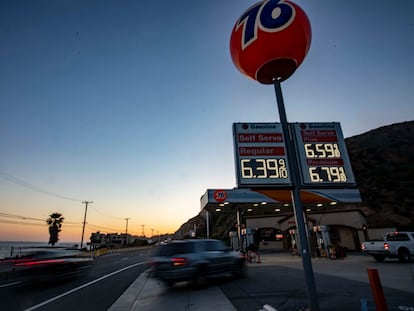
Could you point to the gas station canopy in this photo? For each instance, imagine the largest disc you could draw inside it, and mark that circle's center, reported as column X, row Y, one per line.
column 267, row 202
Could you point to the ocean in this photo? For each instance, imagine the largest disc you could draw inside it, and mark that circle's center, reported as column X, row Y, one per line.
column 14, row 248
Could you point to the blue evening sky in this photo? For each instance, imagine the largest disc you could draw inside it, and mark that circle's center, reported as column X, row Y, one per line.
column 130, row 104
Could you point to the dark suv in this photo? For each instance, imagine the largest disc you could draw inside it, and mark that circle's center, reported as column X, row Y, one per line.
column 195, row 260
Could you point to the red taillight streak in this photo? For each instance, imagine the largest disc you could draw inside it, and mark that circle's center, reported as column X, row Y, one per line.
column 179, row 261
column 386, row 246
column 39, row 262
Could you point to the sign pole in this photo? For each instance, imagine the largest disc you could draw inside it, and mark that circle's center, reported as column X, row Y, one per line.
column 296, row 200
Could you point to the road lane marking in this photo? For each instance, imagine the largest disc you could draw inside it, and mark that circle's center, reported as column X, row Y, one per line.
column 10, row 284
column 83, row 286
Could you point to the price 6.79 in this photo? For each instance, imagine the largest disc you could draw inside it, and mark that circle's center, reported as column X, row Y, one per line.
column 320, row 174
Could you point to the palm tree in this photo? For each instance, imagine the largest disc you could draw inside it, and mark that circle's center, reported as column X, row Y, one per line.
column 54, row 221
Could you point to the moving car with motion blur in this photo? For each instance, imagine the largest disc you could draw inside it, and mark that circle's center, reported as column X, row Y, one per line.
column 40, row 264
column 195, row 260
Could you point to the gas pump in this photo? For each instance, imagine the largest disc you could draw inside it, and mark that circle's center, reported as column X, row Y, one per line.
column 246, row 238
column 323, row 239
column 234, row 240
column 241, row 243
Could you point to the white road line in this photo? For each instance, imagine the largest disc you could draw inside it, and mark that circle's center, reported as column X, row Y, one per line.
column 83, row 286
column 10, row 284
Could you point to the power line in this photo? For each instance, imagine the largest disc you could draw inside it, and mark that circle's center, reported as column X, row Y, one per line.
column 107, row 215
column 8, row 215
column 95, row 227
column 20, row 217
column 12, row 222
column 66, row 223
column 18, row 181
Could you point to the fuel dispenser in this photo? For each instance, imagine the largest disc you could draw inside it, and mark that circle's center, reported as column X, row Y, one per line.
column 242, row 242
column 323, row 240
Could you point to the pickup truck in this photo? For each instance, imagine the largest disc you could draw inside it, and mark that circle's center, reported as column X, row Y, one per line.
column 394, row 245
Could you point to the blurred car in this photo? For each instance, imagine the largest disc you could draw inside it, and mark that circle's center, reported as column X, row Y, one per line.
column 195, row 260
column 47, row 264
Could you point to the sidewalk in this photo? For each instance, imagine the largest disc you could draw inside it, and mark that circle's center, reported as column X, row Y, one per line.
column 147, row 294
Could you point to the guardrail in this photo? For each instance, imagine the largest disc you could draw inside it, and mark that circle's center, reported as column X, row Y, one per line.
column 103, row 251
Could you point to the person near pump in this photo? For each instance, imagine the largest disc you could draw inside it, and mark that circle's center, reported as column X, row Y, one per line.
column 253, row 251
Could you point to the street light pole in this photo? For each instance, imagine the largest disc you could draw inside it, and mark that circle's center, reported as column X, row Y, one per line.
column 84, row 220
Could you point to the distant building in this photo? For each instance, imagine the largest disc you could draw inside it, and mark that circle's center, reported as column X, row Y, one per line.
column 112, row 240
column 115, row 240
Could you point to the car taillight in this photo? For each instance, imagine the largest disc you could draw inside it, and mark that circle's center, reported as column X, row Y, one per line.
column 177, row 261
column 39, row 262
column 363, row 246
column 386, row 246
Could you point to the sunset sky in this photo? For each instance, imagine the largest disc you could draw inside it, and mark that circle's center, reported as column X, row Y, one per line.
column 130, row 104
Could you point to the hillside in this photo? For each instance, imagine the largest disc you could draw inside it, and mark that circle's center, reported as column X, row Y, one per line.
column 383, row 163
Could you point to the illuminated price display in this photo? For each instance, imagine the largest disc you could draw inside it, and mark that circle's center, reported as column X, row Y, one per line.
column 322, row 154
column 260, row 155
column 263, row 168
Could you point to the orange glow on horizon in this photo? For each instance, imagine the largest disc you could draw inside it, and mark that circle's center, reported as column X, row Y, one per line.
column 72, row 233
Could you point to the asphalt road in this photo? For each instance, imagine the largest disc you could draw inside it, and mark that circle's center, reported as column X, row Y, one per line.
column 108, row 278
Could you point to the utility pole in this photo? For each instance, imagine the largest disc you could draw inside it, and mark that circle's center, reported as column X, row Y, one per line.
column 152, row 233
column 143, row 231
column 126, row 230
column 84, row 219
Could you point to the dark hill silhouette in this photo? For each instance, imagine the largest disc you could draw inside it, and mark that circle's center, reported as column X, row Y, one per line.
column 383, row 164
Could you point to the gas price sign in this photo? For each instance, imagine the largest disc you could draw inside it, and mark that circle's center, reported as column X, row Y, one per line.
column 260, row 155
column 322, row 155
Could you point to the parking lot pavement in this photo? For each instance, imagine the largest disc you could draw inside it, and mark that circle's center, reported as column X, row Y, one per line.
column 341, row 285
column 279, row 282
column 393, row 274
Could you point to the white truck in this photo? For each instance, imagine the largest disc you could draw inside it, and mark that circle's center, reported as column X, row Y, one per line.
column 394, row 245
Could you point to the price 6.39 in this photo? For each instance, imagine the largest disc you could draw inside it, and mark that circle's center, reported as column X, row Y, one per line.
column 263, row 168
